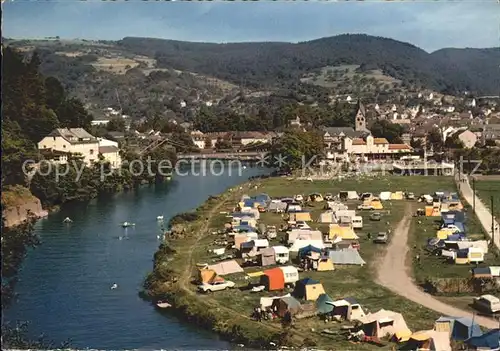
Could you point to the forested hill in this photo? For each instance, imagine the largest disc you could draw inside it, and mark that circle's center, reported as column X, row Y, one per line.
column 257, row 64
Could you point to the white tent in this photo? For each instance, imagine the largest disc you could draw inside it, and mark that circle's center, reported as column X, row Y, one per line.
column 385, row 195
column 304, row 234
column 298, row 244
column 346, row 256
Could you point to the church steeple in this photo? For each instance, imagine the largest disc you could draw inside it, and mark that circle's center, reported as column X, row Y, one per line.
column 360, row 120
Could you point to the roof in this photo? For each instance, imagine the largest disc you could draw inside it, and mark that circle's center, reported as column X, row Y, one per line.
column 226, row 267
column 358, row 141
column 380, row 141
column 399, row 147
column 74, row 135
column 291, row 301
column 347, row 131
column 108, row 149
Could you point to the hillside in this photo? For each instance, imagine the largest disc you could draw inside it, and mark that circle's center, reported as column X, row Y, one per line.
column 479, row 68
column 257, row 64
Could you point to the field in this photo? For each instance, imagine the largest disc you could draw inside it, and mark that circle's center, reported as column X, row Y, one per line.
column 344, row 75
column 345, row 281
column 115, row 65
column 487, row 187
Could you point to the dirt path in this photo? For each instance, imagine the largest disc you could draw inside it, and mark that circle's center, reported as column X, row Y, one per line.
column 394, row 274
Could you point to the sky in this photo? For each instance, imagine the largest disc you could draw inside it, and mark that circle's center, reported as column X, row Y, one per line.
column 428, row 24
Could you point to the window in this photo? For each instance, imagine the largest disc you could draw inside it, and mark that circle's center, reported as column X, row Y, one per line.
column 64, row 146
column 91, row 151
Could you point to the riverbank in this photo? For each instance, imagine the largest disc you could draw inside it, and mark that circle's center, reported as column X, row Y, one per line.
column 228, row 312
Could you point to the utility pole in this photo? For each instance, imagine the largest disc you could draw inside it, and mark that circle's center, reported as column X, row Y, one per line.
column 474, row 193
column 492, row 222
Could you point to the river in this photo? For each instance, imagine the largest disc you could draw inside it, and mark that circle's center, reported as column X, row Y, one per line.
column 65, row 284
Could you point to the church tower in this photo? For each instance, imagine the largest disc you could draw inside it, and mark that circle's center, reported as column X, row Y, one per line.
column 360, row 120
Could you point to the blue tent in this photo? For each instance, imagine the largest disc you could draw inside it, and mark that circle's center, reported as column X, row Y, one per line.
column 244, row 228
column 242, row 214
column 461, row 328
column 489, row 340
column 308, row 249
column 262, row 198
column 248, row 203
column 455, row 237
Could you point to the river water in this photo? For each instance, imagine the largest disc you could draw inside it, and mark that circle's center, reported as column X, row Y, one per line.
column 65, row 283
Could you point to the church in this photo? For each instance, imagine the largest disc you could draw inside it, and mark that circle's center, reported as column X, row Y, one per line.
column 347, row 143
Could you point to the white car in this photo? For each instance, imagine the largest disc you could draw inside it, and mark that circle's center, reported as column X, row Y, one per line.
column 365, row 207
column 216, row 286
column 487, row 303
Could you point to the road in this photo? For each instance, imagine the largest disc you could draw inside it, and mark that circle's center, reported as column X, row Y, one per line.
column 482, row 212
column 394, row 273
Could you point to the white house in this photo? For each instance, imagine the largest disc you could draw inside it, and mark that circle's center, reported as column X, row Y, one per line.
column 78, row 141
column 73, row 140
column 100, row 122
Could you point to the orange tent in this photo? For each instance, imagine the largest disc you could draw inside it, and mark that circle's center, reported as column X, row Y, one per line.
column 273, row 279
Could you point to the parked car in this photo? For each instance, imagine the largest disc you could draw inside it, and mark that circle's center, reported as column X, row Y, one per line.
column 261, row 209
column 375, row 216
column 365, row 207
column 216, row 286
column 271, row 232
column 410, row 196
column 487, row 303
column 381, row 238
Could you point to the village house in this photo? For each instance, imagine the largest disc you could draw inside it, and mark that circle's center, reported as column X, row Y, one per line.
column 468, row 138
column 236, row 139
column 491, row 132
column 78, row 141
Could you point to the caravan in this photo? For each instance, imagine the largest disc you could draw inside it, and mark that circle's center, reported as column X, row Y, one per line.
column 357, row 222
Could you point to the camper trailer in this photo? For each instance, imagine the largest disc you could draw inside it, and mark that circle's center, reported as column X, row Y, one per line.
column 291, row 274
column 357, row 222
column 281, row 254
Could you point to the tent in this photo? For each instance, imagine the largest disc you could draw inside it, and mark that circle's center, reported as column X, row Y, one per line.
column 385, row 195
column 286, row 304
column 428, row 340
column 347, row 308
column 206, row 275
column 481, row 272
column 327, row 217
column 322, row 304
column 487, row 341
column 308, row 289
column 276, row 207
column 267, row 257
column 458, row 328
column 226, row 267
column 298, row 244
column 316, row 197
column 300, row 216
column 376, row 204
column 304, row 234
column 273, row 279
column 344, row 233
column 268, row 301
column 325, row 264
column 383, row 322
column 346, row 256
column 398, row 195
column 290, row 273
column 306, row 250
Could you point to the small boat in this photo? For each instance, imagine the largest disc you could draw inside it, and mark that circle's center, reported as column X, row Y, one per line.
column 127, row 224
column 163, row 304
column 160, row 218
column 114, row 286
column 67, row 220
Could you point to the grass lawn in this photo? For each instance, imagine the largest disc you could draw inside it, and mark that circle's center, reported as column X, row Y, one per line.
column 487, row 188
column 345, row 281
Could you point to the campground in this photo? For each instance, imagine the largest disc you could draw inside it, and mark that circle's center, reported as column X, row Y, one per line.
column 229, row 311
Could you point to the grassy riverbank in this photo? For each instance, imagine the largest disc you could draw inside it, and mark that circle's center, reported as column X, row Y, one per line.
column 228, row 312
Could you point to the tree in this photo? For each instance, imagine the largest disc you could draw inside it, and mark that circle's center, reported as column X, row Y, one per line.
column 116, row 124
column 223, row 144
column 435, row 139
column 296, row 147
column 208, row 143
column 72, row 114
column 453, row 142
column 385, row 129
